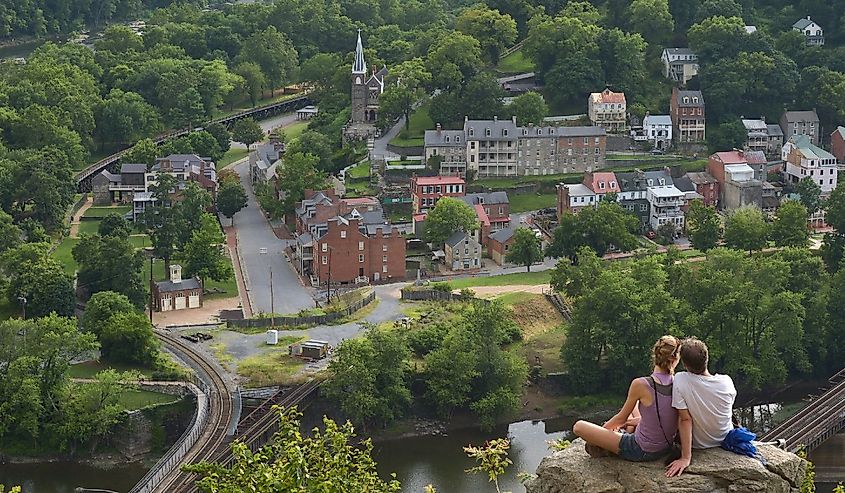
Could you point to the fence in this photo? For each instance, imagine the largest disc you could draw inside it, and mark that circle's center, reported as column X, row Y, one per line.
column 306, row 320
column 173, row 458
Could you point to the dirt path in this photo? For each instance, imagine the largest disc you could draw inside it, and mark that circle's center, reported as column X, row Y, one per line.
column 74, row 224
column 209, row 313
column 494, row 291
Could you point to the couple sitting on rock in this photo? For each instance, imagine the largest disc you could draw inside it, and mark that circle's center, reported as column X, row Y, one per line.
column 694, row 405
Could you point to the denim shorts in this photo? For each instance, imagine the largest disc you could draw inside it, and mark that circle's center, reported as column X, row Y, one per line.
column 630, row 450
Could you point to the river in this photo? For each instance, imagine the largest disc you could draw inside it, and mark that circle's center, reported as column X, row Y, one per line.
column 63, row 477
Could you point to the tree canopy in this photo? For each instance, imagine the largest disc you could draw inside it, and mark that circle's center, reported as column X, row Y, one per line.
column 449, row 215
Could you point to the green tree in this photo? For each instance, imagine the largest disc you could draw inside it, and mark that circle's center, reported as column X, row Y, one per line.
column 124, row 117
column 573, row 278
column 368, row 377
column 293, row 461
column 143, row 152
column 254, row 80
column 162, row 220
column 651, row 18
column 110, row 263
column 525, row 249
column 120, row 40
column 528, row 108
column 724, row 8
column 601, row 228
column 204, row 252
column 114, row 225
column 810, row 193
column 703, row 225
column 298, row 173
column 205, row 145
column 746, row 229
column 493, row 30
column 10, row 234
column 716, row 37
column 729, row 135
column 405, row 89
column 453, row 60
column 100, row 309
column 274, row 53
column 222, row 135
column 231, row 198
column 190, row 211
column 448, row 216
column 128, row 338
column 790, row 225
column 44, row 285
column 247, row 131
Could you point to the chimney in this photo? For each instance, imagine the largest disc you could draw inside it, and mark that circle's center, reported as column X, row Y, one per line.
column 175, row 273
column 438, row 129
column 808, row 17
column 513, row 118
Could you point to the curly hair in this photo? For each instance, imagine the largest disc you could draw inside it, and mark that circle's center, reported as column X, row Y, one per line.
column 664, row 351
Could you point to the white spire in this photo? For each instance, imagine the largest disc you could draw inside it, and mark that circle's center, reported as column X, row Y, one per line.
column 360, row 66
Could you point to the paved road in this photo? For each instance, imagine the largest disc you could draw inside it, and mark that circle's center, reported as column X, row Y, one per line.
column 254, row 233
column 380, row 144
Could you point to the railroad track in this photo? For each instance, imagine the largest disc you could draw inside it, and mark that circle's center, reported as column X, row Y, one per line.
column 811, row 421
column 221, row 409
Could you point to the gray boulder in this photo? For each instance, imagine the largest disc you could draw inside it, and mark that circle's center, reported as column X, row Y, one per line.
column 711, row 471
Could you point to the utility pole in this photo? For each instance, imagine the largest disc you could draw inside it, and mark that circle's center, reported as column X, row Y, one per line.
column 151, row 289
column 272, row 300
column 23, row 300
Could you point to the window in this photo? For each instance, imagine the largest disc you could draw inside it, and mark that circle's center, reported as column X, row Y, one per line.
column 325, row 260
column 586, row 140
column 601, row 185
column 471, row 133
column 487, row 132
column 457, row 140
column 384, row 248
column 360, row 246
column 361, row 258
column 324, row 247
column 686, row 100
column 384, row 258
column 643, row 207
column 504, row 132
column 343, row 233
column 384, row 269
column 447, row 139
column 472, row 145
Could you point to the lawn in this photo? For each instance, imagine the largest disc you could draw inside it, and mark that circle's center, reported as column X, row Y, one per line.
column 362, row 170
column 531, row 202
column 232, row 155
column 273, row 366
column 137, row 399
column 420, row 121
column 88, row 227
column 63, row 254
column 103, row 211
column 294, row 130
column 359, row 189
column 515, row 63
column 532, row 278
column 217, row 289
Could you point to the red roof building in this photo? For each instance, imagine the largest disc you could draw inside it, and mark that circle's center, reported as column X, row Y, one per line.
column 427, row 190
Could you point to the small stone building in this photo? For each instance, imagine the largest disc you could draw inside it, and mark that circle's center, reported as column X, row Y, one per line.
column 176, row 293
column 463, row 251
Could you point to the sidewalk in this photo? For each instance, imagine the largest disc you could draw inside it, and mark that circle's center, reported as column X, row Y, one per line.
column 77, row 218
column 234, row 253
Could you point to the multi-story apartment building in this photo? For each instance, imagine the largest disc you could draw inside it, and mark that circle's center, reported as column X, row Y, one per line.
column 803, row 159
column 800, row 123
column 500, row 148
column 427, row 190
column 679, row 64
column 342, row 241
column 665, row 204
column 608, row 109
column 450, row 146
column 688, row 116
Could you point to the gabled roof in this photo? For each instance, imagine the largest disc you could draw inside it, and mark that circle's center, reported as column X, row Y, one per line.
column 579, row 190
column 774, row 130
column 801, row 116
column 684, row 184
column 457, row 237
column 657, row 120
column 170, row 286
column 607, row 96
column 514, row 78
column 133, row 168
column 444, row 138
column 755, row 125
column 503, row 235
column 701, row 177
column 606, row 177
column 440, row 180
column 496, row 127
column 810, row 151
column 483, row 218
column 803, row 23
column 486, row 198
column 841, row 131
column 731, row 157
column 691, row 95
column 678, row 51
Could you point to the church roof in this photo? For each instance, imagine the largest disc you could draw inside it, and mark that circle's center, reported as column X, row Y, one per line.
column 360, row 66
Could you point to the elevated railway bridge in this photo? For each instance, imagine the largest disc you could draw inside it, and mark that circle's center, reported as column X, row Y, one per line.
column 112, row 162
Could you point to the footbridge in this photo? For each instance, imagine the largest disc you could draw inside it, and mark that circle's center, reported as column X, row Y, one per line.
column 822, row 418
column 111, row 163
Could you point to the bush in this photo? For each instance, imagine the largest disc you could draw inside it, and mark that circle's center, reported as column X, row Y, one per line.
column 427, row 339
column 442, row 286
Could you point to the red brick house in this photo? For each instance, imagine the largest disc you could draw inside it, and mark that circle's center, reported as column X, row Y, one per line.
column 176, row 293
column 686, row 108
column 707, row 186
column 837, row 144
column 496, row 207
column 499, row 244
column 427, row 190
column 346, row 240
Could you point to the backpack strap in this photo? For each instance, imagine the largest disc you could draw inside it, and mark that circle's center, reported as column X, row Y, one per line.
column 659, row 387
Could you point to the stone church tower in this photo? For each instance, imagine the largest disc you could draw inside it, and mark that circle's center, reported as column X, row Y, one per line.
column 366, row 90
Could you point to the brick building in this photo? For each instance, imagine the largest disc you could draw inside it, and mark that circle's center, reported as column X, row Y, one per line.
column 707, row 186
column 740, row 175
column 496, row 207
column 346, row 240
column 688, row 116
column 427, row 190
column 837, row 144
column 499, row 244
column 176, row 293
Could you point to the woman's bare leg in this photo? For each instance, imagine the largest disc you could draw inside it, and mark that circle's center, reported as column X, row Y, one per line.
column 596, row 435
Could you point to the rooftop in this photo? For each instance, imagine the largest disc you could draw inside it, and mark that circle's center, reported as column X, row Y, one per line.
column 841, row 131
column 666, row 191
column 701, row 178
column 133, row 168
column 802, row 23
column 608, row 96
column 498, row 128
column 801, row 116
column 503, row 235
column 444, row 138
column 810, row 151
column 486, row 198
column 457, row 237
column 678, row 51
column 170, row 286
column 439, row 180
column 690, row 95
column 657, row 120
column 579, row 190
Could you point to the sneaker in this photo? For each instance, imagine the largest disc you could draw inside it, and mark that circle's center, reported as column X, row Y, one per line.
column 595, row 451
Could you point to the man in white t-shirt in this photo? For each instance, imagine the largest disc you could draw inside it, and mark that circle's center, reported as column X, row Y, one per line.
column 704, row 403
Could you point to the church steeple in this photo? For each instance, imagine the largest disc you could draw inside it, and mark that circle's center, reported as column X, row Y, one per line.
column 360, row 66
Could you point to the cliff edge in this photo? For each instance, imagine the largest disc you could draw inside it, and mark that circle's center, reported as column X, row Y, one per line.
column 711, row 471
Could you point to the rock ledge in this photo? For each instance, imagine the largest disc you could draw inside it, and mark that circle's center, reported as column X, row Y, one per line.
column 711, row 471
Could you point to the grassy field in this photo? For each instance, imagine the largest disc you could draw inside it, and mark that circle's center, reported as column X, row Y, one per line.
column 531, row 202
column 294, row 130
column 515, row 63
column 273, row 366
column 103, row 211
column 232, row 155
column 88, row 227
column 137, row 399
column 532, row 278
column 359, row 189
column 362, row 170
column 63, row 254
column 420, row 121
